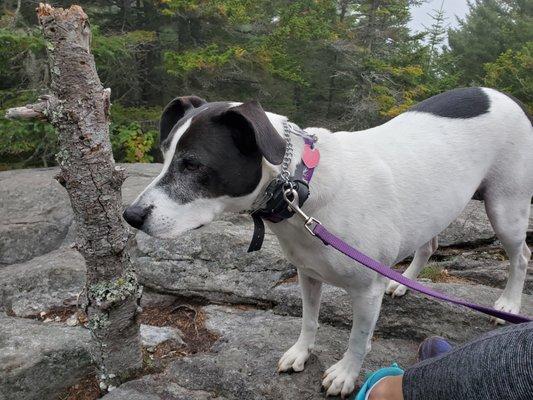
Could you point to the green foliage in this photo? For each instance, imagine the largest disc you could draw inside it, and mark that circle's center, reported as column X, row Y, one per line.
column 24, row 144
column 340, row 64
column 490, row 28
column 16, row 47
column 131, row 144
column 512, row 72
column 119, row 59
column 274, row 48
column 234, row 11
column 434, row 273
column 133, row 132
column 208, row 58
column 146, row 116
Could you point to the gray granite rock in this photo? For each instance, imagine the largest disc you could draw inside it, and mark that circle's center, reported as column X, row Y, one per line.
column 413, row 316
column 212, row 263
column 472, row 226
column 148, row 389
column 42, row 283
column 38, row 361
column 242, row 364
column 152, row 336
column 195, row 268
column 485, row 270
column 35, row 212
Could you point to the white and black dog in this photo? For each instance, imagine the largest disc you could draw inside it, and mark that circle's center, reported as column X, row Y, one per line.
column 388, row 191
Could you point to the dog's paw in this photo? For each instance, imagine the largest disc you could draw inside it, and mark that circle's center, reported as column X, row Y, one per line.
column 294, row 359
column 340, row 378
column 504, row 304
column 394, row 289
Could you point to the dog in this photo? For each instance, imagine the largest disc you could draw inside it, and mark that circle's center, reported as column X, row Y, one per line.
column 388, row 191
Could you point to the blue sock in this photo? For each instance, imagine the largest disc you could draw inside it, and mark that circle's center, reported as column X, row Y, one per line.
column 375, row 377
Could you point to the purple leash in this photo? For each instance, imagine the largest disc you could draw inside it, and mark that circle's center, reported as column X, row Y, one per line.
column 330, row 239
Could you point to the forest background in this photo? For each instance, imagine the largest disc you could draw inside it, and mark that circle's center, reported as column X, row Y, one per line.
column 341, row 64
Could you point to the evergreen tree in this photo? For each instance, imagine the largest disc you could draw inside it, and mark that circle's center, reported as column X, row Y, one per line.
column 341, row 64
column 512, row 72
column 436, row 35
column 490, row 28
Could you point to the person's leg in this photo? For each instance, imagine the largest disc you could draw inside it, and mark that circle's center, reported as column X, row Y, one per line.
column 498, row 365
column 389, row 388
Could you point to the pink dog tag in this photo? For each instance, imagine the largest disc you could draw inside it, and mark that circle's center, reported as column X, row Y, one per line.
column 310, row 157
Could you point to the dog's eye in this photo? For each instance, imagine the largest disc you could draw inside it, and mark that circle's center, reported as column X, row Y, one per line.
column 189, row 164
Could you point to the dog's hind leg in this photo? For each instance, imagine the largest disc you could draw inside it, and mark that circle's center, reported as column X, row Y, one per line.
column 420, row 259
column 295, row 358
column 509, row 218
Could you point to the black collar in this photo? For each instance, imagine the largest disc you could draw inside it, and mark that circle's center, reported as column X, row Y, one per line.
column 274, row 208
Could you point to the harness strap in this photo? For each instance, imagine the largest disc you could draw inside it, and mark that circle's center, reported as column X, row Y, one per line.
column 330, row 239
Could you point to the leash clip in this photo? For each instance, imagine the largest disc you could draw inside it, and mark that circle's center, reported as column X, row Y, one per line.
column 293, row 205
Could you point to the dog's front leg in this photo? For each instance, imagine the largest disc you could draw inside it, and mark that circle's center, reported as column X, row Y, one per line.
column 295, row 358
column 340, row 378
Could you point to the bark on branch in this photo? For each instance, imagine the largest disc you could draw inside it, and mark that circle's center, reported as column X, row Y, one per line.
column 29, row 111
column 37, row 110
column 79, row 110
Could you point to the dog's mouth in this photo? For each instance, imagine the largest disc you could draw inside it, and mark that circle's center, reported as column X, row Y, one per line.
column 172, row 235
column 163, row 234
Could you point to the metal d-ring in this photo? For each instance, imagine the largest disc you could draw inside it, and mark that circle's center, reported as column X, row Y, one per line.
column 294, row 206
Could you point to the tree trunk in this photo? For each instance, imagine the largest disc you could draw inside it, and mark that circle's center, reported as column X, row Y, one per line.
column 16, row 15
column 79, row 110
column 126, row 14
column 372, row 25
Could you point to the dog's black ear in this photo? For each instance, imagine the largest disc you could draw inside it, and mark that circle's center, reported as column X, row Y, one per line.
column 254, row 132
column 174, row 111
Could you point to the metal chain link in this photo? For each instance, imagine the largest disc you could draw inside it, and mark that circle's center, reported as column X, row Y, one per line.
column 289, row 150
column 291, row 129
column 285, row 175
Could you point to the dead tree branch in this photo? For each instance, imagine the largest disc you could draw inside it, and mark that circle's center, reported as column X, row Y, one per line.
column 29, row 111
column 79, row 110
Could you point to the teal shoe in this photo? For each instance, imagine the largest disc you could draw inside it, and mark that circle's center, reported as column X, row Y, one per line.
column 375, row 377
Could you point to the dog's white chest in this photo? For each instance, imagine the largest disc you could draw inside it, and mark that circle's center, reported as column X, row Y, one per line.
column 317, row 260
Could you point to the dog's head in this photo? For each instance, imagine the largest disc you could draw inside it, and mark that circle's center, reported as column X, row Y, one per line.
column 214, row 157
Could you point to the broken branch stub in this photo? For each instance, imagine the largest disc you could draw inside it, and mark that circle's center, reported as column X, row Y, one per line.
column 29, row 111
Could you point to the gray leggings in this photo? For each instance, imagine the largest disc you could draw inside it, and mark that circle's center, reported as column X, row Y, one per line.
column 497, row 366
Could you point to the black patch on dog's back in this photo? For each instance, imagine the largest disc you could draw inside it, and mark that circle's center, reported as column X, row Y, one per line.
column 457, row 103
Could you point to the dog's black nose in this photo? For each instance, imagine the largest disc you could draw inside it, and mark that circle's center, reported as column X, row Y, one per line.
column 135, row 215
